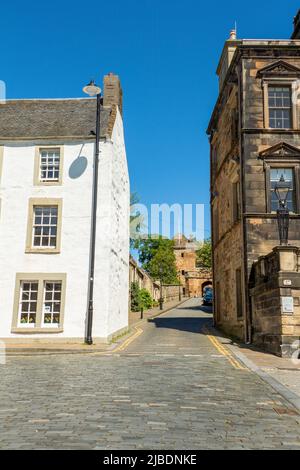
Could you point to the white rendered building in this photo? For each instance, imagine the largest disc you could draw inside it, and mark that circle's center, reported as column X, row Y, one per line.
column 46, row 179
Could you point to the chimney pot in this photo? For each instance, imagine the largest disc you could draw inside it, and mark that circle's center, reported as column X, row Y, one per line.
column 232, row 35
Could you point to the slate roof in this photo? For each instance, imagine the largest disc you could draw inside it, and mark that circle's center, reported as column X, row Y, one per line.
column 57, row 118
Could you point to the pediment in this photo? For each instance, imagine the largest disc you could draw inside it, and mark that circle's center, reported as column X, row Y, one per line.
column 281, row 150
column 279, row 68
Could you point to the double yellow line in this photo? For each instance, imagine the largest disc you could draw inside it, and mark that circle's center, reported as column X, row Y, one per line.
column 223, row 350
column 138, row 332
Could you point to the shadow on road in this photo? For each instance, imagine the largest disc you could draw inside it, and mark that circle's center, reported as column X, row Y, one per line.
column 185, row 323
column 190, row 324
column 197, row 308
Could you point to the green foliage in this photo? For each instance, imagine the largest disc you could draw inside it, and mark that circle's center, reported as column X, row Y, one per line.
column 140, row 298
column 146, row 301
column 157, row 258
column 134, row 298
column 204, row 254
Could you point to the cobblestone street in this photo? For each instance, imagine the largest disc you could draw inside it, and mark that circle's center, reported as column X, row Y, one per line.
column 172, row 387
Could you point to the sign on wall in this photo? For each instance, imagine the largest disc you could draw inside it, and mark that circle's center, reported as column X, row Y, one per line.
column 287, row 304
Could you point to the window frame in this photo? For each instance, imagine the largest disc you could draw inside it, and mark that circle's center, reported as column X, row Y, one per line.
column 288, row 108
column 37, row 165
column 236, row 201
column 277, row 82
column 271, row 190
column 42, row 227
column 296, row 171
column 21, row 290
column 41, row 279
column 33, row 202
column 52, row 301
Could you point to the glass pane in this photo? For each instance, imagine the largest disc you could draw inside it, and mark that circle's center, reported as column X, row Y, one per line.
column 48, row 296
column 53, row 241
column 33, row 306
column 56, row 308
column 25, row 307
column 36, row 241
column 277, row 173
column 288, row 175
column 33, row 296
column 45, row 241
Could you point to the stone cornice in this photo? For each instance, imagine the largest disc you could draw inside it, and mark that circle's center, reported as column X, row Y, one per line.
column 264, row 49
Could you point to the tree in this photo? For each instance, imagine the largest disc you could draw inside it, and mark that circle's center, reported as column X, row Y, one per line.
column 156, row 254
column 140, row 298
column 204, row 254
column 134, row 297
column 146, row 301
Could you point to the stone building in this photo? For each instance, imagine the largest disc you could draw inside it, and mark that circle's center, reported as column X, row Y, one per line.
column 254, row 139
column 46, row 179
column 192, row 278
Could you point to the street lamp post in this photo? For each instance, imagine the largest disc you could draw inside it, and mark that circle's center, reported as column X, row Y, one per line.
column 282, row 189
column 93, row 90
column 179, row 287
column 161, row 299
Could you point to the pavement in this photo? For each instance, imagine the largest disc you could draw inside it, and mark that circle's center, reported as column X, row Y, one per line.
column 172, row 384
column 283, row 374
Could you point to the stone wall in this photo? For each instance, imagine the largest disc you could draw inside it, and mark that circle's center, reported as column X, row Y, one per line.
column 227, row 232
column 172, row 292
column 275, row 299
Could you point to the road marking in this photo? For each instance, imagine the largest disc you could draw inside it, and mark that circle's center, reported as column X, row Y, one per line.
column 126, row 343
column 224, row 351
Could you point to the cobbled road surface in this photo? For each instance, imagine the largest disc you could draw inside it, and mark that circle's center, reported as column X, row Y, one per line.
column 171, row 388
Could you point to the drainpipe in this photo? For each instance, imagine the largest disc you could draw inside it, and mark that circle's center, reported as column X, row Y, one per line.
column 246, row 303
column 90, row 313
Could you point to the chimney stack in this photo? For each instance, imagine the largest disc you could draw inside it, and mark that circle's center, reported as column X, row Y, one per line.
column 112, row 93
column 296, row 32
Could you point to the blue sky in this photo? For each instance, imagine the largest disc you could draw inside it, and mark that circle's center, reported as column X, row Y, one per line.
column 166, row 53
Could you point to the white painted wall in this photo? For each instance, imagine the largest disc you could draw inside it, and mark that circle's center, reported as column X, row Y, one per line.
column 112, row 251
